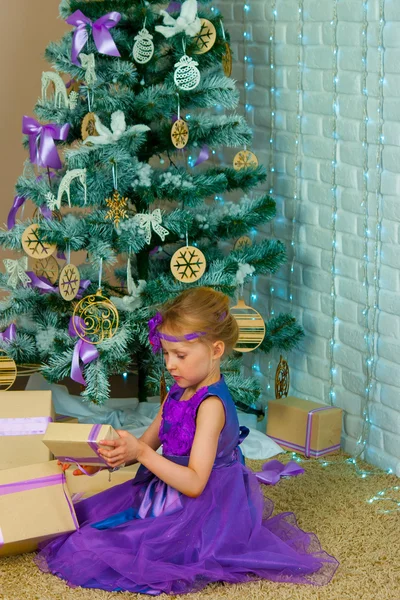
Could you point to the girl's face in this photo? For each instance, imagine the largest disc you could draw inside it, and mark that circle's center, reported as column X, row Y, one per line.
column 190, row 363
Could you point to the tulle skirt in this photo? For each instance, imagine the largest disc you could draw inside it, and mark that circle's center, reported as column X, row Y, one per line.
column 226, row 534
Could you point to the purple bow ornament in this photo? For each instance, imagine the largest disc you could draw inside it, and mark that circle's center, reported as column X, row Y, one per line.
column 154, row 336
column 83, row 351
column 42, row 148
column 100, row 30
column 273, row 470
column 8, row 335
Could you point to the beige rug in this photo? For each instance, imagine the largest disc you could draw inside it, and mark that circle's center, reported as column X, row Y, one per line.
column 331, row 501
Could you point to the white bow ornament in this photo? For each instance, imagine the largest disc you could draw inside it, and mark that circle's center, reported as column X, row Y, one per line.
column 16, row 270
column 152, row 220
column 118, row 129
column 188, row 21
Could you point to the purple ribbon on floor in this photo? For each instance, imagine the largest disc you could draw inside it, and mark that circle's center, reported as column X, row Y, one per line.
column 42, row 148
column 8, row 335
column 273, row 470
column 100, row 30
column 83, row 351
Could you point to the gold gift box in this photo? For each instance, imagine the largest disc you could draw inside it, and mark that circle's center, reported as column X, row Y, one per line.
column 35, row 505
column 24, row 417
column 304, row 426
column 78, row 442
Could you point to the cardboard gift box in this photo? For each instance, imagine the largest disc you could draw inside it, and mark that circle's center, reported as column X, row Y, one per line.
column 24, row 417
column 35, row 505
column 78, row 442
column 304, row 426
column 82, row 486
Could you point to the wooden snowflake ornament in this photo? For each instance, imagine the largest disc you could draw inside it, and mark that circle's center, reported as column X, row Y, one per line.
column 204, row 40
column 69, row 282
column 180, row 134
column 34, row 245
column 245, row 160
column 188, row 264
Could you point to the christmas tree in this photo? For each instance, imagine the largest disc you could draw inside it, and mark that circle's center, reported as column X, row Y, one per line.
column 122, row 165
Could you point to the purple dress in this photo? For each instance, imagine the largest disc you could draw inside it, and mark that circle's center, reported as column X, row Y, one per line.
column 144, row 536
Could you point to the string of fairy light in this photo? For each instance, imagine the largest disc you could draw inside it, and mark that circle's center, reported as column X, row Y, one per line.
column 372, row 311
column 335, row 108
column 297, row 143
column 271, row 167
column 369, row 350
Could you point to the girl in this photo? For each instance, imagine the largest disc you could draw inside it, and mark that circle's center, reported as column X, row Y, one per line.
column 196, row 514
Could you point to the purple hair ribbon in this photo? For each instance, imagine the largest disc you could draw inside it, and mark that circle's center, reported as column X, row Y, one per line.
column 34, row 484
column 43, row 150
column 273, row 470
column 155, row 336
column 8, row 335
column 100, row 30
column 83, row 351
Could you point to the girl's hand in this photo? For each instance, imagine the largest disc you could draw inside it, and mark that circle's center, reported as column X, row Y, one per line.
column 89, row 468
column 123, row 450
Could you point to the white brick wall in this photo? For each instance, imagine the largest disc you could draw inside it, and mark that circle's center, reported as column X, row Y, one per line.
column 311, row 289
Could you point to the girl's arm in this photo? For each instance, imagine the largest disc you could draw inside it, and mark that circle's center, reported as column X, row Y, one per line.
column 190, row 480
column 150, row 436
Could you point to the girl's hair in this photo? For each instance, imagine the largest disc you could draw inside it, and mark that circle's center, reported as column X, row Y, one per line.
column 201, row 309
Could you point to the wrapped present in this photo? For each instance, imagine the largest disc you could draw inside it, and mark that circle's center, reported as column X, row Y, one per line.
column 304, row 426
column 35, row 505
column 24, row 417
column 82, row 486
column 78, row 442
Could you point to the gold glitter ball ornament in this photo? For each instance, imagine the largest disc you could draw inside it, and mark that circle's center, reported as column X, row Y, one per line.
column 8, row 371
column 69, row 282
column 251, row 327
column 180, row 134
column 99, row 318
column 117, row 206
column 34, row 245
column 245, row 160
column 188, row 264
column 47, row 267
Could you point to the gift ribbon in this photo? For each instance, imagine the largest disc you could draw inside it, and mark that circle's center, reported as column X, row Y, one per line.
column 43, row 150
column 33, row 484
column 83, row 351
column 273, row 470
column 100, row 30
column 308, row 451
column 24, row 425
column 8, row 335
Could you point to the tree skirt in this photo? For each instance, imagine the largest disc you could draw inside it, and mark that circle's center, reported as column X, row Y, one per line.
column 330, row 501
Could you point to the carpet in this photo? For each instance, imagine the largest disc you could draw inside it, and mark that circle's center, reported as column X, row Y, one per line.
column 331, row 501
